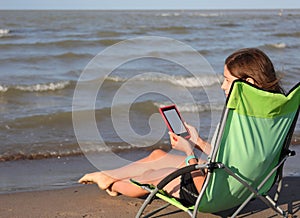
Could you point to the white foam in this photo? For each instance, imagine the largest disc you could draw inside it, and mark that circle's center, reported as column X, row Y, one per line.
column 278, row 45
column 194, row 108
column 117, row 79
column 4, row 32
column 3, row 88
column 188, row 82
column 196, row 14
column 169, row 14
column 194, row 82
column 44, row 87
column 206, row 14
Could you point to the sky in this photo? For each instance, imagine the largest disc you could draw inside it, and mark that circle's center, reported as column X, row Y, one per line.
column 147, row 4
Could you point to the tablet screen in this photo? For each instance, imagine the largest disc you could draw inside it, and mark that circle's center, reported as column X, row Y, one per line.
column 174, row 121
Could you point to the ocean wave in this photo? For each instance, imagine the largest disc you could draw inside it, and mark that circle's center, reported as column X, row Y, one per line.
column 3, row 88
column 51, row 150
column 288, row 34
column 68, row 56
column 198, row 14
column 4, row 32
column 107, row 42
column 72, row 55
column 168, row 14
column 173, row 29
column 109, row 34
column 38, row 154
column 87, row 148
column 190, row 14
column 192, row 82
column 184, row 81
column 69, row 43
column 53, row 133
column 43, row 87
column 280, row 45
column 195, row 108
column 229, row 25
column 63, row 119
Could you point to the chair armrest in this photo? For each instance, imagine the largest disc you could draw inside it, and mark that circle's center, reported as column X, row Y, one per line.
column 177, row 173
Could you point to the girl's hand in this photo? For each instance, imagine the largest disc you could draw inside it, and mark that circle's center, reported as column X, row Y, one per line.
column 180, row 143
column 199, row 143
column 193, row 132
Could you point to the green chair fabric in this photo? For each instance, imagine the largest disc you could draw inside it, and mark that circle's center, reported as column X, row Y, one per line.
column 257, row 125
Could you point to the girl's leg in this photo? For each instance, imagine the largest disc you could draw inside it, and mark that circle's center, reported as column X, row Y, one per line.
column 156, row 160
column 125, row 187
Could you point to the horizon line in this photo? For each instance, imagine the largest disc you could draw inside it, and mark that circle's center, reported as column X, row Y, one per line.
column 141, row 9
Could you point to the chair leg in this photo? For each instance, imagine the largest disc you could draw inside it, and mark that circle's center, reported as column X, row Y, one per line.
column 146, row 202
column 267, row 200
column 273, row 205
column 276, row 197
column 242, row 205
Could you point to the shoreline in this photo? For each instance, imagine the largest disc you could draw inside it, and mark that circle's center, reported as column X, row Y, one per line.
column 89, row 201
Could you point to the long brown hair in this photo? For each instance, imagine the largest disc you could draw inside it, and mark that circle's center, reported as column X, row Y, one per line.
column 253, row 63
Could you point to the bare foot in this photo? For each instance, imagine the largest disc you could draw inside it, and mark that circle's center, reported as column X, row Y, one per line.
column 101, row 179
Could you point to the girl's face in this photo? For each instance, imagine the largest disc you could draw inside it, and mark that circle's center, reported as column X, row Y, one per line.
column 228, row 79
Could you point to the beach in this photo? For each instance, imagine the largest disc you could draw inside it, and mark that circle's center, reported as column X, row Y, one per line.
column 89, row 201
column 55, row 196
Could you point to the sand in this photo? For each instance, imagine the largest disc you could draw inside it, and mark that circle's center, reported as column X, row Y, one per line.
column 89, row 201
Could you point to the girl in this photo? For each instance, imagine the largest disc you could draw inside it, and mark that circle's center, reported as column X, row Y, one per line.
column 251, row 65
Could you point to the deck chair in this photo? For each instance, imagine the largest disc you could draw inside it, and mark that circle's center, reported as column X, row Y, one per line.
column 250, row 149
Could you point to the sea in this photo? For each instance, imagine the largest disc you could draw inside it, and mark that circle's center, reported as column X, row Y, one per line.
column 75, row 85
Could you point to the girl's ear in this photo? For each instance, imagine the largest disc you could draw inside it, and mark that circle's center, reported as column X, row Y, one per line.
column 250, row 80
